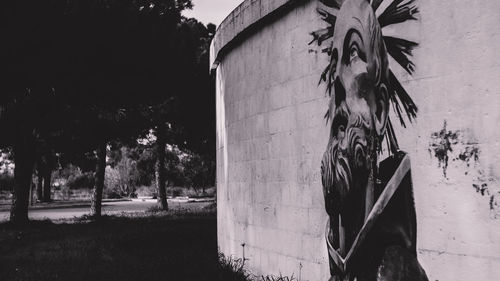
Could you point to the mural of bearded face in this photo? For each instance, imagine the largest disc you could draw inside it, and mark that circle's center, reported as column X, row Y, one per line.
column 358, row 112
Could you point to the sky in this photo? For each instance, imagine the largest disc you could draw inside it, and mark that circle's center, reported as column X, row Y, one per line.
column 212, row 11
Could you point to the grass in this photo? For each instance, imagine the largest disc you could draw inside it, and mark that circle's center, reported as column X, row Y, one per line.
column 232, row 269
column 175, row 191
column 115, row 248
column 276, row 278
column 171, row 246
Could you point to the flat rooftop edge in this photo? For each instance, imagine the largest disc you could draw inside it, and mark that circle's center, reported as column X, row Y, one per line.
column 244, row 20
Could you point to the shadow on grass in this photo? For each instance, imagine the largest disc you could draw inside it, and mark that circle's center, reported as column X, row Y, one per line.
column 153, row 245
column 163, row 246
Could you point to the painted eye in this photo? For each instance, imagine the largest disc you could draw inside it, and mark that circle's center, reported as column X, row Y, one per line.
column 353, row 53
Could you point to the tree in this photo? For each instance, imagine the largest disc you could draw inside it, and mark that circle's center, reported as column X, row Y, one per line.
column 136, row 70
column 81, row 74
column 44, row 167
column 21, row 121
column 199, row 170
column 197, row 117
column 28, row 102
column 160, row 165
column 96, row 204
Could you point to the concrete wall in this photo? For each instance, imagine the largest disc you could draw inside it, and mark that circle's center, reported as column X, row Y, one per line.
column 271, row 135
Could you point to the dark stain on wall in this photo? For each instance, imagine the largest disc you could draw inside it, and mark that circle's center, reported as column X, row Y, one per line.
column 462, row 147
column 441, row 145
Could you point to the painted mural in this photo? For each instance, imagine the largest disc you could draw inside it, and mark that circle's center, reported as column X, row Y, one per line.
column 371, row 233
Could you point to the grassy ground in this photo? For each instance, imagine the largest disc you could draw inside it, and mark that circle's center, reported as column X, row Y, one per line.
column 170, row 246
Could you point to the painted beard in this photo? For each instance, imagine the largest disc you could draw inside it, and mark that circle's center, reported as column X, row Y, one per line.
column 345, row 169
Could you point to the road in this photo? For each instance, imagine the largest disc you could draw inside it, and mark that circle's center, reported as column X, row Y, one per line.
column 108, row 208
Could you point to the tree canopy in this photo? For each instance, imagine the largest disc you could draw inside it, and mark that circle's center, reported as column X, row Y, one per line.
column 80, row 73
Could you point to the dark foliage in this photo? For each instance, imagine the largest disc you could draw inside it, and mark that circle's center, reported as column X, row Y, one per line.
column 6, row 182
column 165, row 246
column 81, row 181
column 113, row 249
column 77, row 74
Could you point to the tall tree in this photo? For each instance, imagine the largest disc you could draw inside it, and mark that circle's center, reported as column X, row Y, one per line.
column 160, row 165
column 24, row 155
column 96, row 204
column 28, row 103
column 134, row 70
column 86, row 72
column 39, row 184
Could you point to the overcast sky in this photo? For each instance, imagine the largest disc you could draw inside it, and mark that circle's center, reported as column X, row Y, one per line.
column 212, row 11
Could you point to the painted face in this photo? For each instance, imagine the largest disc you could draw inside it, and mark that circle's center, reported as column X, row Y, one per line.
column 358, row 108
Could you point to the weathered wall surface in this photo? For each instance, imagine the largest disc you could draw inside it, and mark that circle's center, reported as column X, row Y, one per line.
column 457, row 80
column 271, row 136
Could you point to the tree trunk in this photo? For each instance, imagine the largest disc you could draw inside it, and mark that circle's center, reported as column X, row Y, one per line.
column 39, row 185
column 96, row 204
column 24, row 159
column 160, row 166
column 32, row 188
column 47, row 177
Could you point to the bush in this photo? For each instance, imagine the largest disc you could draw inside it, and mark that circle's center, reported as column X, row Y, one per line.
column 6, row 182
column 146, row 191
column 175, row 191
column 276, row 278
column 81, row 181
column 199, row 171
column 212, row 207
column 111, row 194
column 190, row 192
column 205, row 192
column 232, row 269
column 123, row 176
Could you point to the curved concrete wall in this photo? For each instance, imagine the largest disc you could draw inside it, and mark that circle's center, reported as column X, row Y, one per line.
column 271, row 136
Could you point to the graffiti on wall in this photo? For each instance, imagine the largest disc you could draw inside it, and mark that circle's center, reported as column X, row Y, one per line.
column 441, row 145
column 460, row 149
column 371, row 233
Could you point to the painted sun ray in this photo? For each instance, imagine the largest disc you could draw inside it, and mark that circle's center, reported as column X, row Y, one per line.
column 401, row 49
column 327, row 17
column 410, row 107
column 398, row 12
